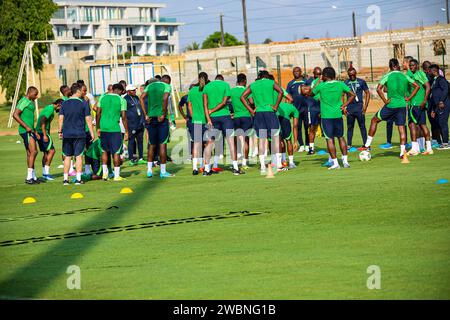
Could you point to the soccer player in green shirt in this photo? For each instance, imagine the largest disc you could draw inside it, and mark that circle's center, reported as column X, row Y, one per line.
column 158, row 125
column 243, row 122
column 331, row 107
column 45, row 140
column 396, row 84
column 215, row 98
column 266, row 122
column 198, row 119
column 110, row 109
column 418, row 109
column 285, row 112
column 24, row 115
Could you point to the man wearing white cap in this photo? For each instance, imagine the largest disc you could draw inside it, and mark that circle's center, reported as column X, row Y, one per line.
column 135, row 119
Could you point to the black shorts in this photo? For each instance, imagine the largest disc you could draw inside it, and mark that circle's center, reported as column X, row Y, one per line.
column 286, row 128
column 224, row 125
column 266, row 124
column 417, row 115
column 111, row 142
column 26, row 138
column 398, row 115
column 243, row 126
column 73, row 147
column 45, row 146
column 314, row 116
column 333, row 128
column 158, row 132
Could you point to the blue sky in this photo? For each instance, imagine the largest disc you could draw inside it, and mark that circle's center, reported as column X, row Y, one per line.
column 287, row 20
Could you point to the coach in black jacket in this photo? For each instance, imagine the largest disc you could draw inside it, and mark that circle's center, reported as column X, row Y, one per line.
column 135, row 118
column 440, row 104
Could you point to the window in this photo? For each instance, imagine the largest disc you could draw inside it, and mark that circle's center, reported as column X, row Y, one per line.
column 121, row 13
column 99, row 14
column 59, row 31
column 72, row 14
column 171, row 31
column 62, row 51
column 60, row 13
column 111, row 13
column 119, row 49
column 171, row 49
column 88, row 14
column 116, row 31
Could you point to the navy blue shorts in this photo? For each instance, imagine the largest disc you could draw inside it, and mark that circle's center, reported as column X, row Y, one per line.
column 45, row 146
column 73, row 147
column 224, row 124
column 190, row 129
column 111, row 142
column 26, row 137
column 158, row 132
column 398, row 115
column 286, row 128
column 314, row 116
column 333, row 128
column 198, row 132
column 417, row 115
column 266, row 124
column 243, row 126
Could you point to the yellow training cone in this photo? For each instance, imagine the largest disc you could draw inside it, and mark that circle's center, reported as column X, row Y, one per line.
column 405, row 158
column 29, row 200
column 76, row 195
column 126, row 190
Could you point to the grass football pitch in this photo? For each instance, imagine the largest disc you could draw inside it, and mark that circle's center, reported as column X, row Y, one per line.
column 307, row 234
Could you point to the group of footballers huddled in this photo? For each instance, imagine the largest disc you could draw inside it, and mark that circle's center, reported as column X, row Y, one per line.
column 258, row 115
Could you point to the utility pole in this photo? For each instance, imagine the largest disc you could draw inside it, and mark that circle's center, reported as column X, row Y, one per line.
column 354, row 24
column 446, row 11
column 247, row 46
column 222, row 37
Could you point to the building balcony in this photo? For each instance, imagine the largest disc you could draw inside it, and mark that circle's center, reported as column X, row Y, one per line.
column 138, row 38
column 162, row 38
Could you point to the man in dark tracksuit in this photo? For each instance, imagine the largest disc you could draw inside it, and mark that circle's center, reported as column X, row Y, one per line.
column 440, row 105
column 135, row 119
column 293, row 88
column 435, row 132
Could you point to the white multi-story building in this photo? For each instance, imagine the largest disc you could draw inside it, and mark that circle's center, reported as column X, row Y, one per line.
column 139, row 28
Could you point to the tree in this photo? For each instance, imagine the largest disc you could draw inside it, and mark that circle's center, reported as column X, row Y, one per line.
column 20, row 21
column 193, row 46
column 267, row 41
column 213, row 41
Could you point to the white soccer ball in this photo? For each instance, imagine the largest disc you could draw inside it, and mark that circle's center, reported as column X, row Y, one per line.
column 365, row 156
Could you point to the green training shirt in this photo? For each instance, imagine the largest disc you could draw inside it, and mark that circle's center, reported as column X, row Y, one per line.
column 240, row 111
column 27, row 115
column 331, row 98
column 262, row 94
column 397, row 85
column 420, row 78
column 112, row 105
column 155, row 93
column 95, row 150
column 49, row 114
column 195, row 97
column 217, row 90
column 287, row 110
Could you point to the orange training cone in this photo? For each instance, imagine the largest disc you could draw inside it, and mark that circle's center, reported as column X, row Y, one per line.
column 270, row 171
column 405, row 158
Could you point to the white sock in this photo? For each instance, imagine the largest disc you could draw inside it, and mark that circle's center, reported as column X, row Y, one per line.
column 421, row 142
column 202, row 164
column 33, row 174
column 278, row 155
column 66, row 177
column 244, row 162
column 163, row 168
column 149, row 166
column 283, row 156
column 274, row 158
column 345, row 159
column 311, row 146
column 262, row 160
column 207, row 167
column 30, row 173
column 216, row 161
column 78, row 176
column 369, row 141
column 43, row 171
column 235, row 165
column 71, row 167
column 116, row 172
column 415, row 146
column 335, row 162
column 47, row 169
column 402, row 149
column 105, row 169
column 429, row 146
column 87, row 169
column 194, row 164
column 291, row 159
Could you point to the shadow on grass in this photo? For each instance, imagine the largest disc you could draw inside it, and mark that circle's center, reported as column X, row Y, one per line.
column 37, row 275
